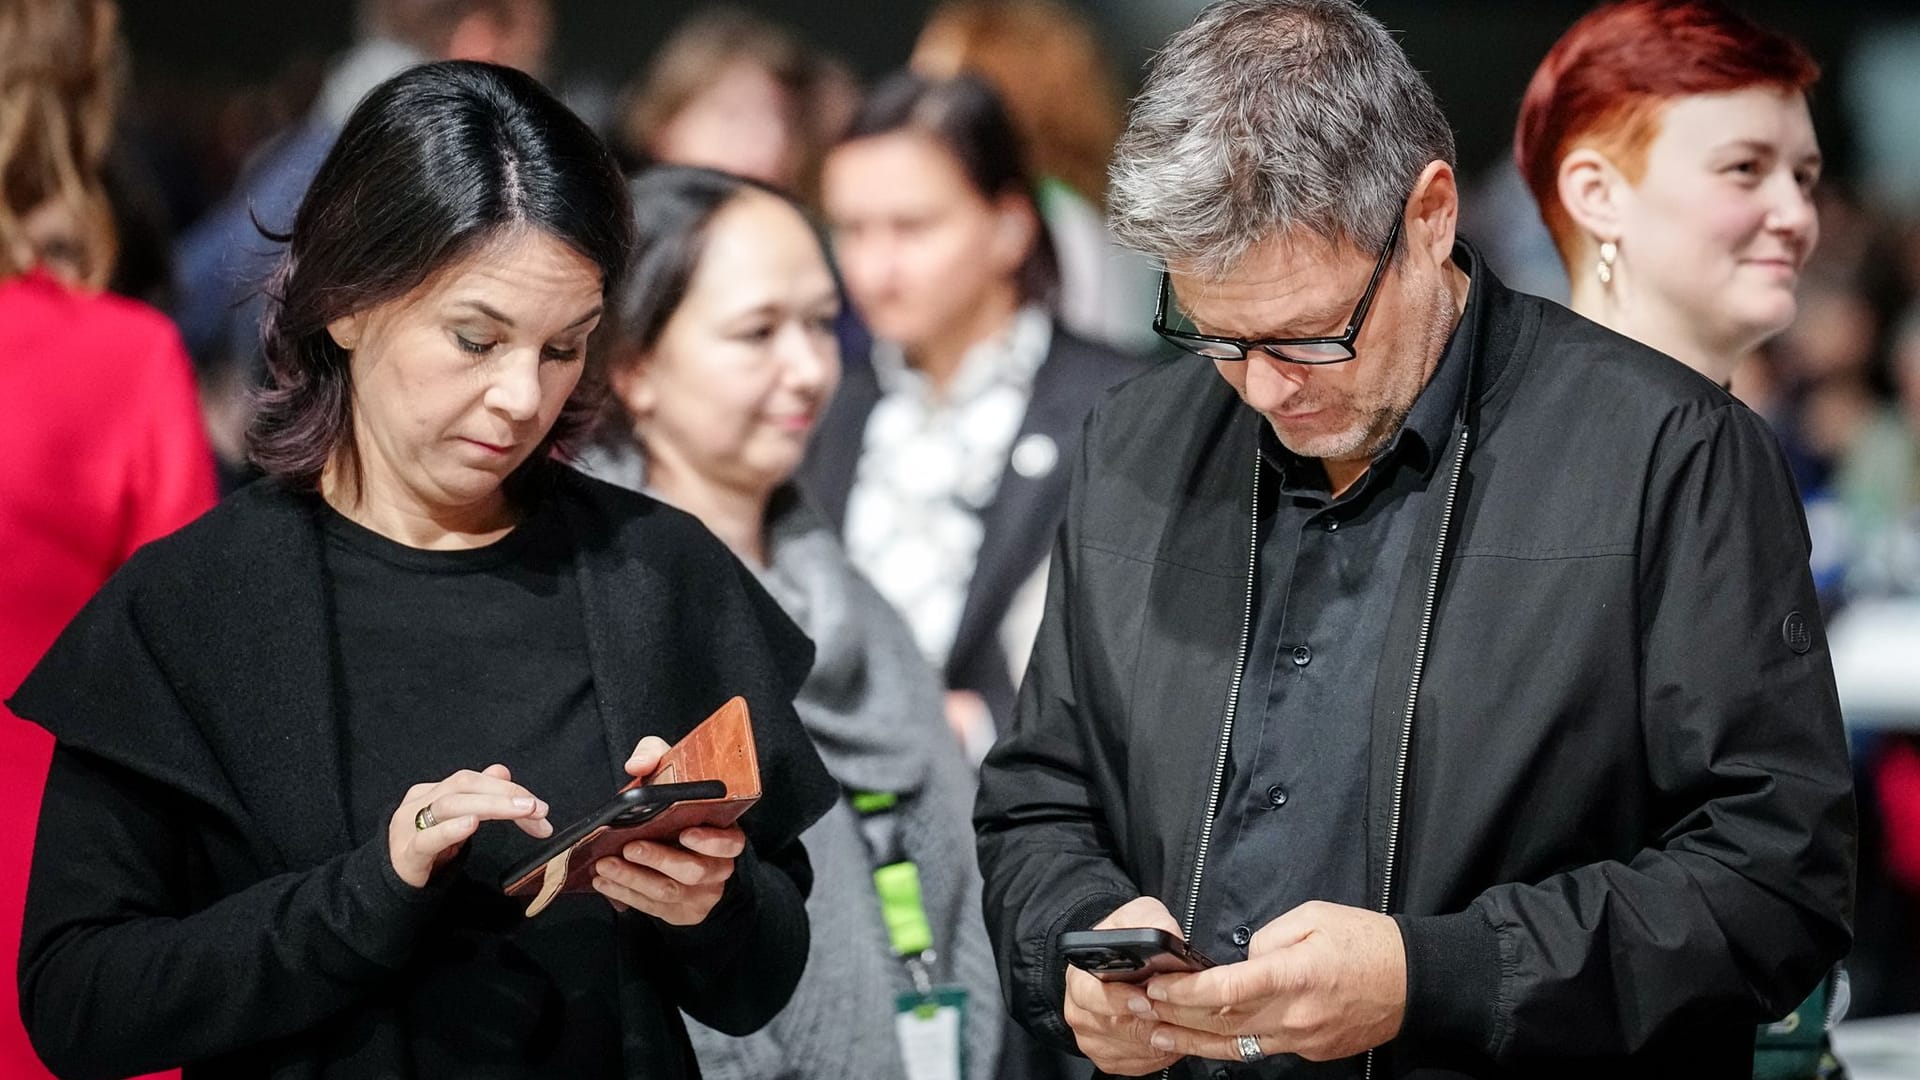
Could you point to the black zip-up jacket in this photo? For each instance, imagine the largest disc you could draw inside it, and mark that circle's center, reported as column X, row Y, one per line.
column 1617, row 830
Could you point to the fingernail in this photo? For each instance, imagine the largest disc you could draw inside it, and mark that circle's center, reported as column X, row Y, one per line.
column 1141, row 1006
column 523, row 802
column 1162, row 1041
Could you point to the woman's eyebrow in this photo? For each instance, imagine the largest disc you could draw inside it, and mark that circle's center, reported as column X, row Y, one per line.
column 491, row 312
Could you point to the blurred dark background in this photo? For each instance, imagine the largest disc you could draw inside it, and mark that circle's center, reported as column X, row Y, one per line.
column 1478, row 54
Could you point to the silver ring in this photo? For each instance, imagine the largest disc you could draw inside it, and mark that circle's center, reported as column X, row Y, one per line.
column 1249, row 1047
column 425, row 820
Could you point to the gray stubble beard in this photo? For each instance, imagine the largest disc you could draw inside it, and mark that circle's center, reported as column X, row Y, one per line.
column 1384, row 423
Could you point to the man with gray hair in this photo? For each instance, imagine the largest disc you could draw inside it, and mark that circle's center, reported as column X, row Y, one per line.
column 1444, row 666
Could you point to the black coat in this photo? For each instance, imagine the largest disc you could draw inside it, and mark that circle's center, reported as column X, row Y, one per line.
column 195, row 897
column 1024, row 514
column 1619, row 825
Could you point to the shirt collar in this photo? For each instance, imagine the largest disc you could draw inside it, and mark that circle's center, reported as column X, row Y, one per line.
column 1428, row 424
column 1431, row 420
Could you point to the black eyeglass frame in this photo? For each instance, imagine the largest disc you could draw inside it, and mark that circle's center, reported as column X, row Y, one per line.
column 1271, row 346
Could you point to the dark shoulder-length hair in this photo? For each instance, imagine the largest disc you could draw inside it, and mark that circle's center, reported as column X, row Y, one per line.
column 965, row 117
column 673, row 205
column 432, row 165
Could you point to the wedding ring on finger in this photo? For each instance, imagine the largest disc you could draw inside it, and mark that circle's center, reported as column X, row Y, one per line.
column 1249, row 1047
column 425, row 820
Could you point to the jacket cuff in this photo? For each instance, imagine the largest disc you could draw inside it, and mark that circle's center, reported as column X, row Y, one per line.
column 1050, row 976
column 1453, row 977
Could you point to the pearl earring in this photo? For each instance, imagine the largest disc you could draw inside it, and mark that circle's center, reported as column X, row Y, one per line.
column 1609, row 251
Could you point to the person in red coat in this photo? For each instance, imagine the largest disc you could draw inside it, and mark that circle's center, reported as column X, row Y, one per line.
column 104, row 445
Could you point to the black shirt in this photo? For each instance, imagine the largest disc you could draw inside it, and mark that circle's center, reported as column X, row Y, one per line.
column 1291, row 825
column 452, row 660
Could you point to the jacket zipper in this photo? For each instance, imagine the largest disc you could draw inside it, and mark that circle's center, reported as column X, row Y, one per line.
column 1406, row 725
column 1413, row 688
column 1226, row 726
column 1233, row 705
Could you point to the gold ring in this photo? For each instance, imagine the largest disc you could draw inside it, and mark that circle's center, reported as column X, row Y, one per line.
column 424, row 819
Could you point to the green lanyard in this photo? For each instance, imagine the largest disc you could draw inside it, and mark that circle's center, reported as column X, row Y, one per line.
column 896, row 880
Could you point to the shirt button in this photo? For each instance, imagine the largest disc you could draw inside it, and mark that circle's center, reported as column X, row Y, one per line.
column 1333, row 524
column 1242, row 935
column 1276, row 796
column 1302, row 656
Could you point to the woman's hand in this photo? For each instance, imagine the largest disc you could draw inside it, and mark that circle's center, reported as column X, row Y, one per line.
column 679, row 884
column 458, row 804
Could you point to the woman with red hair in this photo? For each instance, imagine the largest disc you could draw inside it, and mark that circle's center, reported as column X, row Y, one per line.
column 1669, row 147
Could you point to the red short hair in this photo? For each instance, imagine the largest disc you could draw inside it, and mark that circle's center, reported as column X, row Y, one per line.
column 1605, row 82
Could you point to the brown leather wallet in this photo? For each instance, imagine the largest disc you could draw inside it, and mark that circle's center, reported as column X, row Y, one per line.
column 720, row 748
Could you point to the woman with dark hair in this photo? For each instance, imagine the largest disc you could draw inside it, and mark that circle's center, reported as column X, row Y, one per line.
column 292, row 737
column 722, row 357
column 1046, row 61
column 942, row 460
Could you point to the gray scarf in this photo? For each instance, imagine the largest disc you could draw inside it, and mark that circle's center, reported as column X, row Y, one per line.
column 874, row 709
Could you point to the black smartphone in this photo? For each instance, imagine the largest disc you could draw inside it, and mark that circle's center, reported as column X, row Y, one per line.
column 1130, row 955
column 628, row 807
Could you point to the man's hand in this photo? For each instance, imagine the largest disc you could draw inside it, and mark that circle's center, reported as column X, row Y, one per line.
column 1112, row 1021
column 1323, row 981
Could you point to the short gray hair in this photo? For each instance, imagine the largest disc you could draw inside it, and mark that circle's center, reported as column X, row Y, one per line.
column 1268, row 117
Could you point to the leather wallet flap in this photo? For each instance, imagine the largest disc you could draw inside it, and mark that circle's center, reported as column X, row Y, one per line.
column 720, row 748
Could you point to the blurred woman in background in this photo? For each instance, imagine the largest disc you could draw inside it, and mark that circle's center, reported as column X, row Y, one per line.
column 103, row 447
column 1669, row 148
column 1046, row 62
column 722, row 360
column 730, row 90
column 944, row 458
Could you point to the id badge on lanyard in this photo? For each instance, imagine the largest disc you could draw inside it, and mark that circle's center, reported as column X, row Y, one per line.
column 932, row 1029
column 930, row 1021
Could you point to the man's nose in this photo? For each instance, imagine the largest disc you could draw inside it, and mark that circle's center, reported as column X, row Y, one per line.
column 1272, row 382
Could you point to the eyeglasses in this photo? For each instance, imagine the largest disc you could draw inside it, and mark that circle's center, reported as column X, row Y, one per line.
column 1304, row 350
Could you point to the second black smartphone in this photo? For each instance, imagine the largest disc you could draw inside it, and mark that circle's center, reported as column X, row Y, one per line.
column 1130, row 955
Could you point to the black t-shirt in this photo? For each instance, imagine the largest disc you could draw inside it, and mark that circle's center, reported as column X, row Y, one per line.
column 452, row 660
